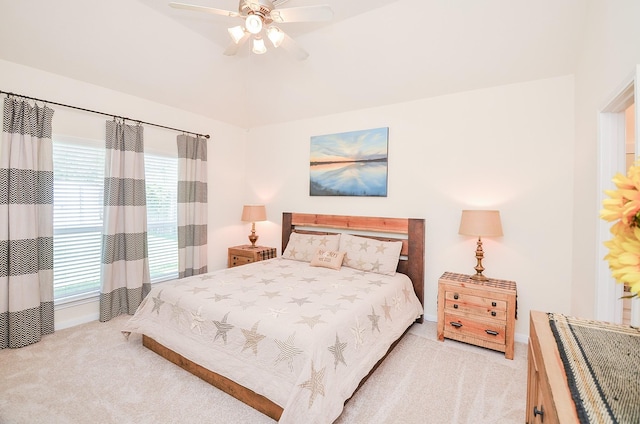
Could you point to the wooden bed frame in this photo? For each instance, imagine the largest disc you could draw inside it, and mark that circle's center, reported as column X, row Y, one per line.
column 408, row 230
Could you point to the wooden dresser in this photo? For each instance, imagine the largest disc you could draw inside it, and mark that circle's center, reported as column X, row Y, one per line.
column 246, row 254
column 548, row 397
column 482, row 313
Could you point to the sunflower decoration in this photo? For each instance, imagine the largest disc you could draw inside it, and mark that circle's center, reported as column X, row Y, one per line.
column 623, row 208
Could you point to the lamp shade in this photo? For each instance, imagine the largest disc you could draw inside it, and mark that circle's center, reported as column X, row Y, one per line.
column 480, row 223
column 254, row 213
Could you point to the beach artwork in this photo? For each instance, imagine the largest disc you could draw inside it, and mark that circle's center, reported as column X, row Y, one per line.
column 349, row 164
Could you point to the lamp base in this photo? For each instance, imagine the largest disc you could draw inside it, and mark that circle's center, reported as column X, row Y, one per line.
column 478, row 277
column 253, row 238
column 479, row 268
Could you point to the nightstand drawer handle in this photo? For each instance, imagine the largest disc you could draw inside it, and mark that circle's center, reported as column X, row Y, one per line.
column 537, row 412
column 493, row 333
column 493, row 313
column 455, row 306
column 494, row 304
column 455, row 296
column 456, row 324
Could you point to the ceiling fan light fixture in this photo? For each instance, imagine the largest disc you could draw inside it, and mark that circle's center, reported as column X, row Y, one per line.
column 258, row 46
column 236, row 33
column 276, row 35
column 253, row 23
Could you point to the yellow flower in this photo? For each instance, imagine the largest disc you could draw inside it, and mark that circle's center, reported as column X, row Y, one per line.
column 623, row 208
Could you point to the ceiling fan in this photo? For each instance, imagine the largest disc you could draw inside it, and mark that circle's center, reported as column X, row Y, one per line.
column 259, row 18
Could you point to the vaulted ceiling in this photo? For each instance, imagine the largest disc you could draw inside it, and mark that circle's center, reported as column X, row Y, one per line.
column 374, row 52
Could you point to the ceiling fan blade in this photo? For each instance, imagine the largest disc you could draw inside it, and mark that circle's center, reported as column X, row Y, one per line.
column 233, row 48
column 211, row 10
column 302, row 14
column 290, row 45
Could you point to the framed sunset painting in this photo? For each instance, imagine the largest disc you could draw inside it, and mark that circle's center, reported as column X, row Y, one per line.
column 349, row 164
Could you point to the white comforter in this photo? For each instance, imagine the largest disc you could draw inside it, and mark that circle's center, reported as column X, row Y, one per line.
column 301, row 336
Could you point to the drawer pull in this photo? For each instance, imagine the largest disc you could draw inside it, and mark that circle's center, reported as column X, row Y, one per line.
column 455, row 306
column 537, row 412
column 494, row 304
column 455, row 296
column 493, row 333
column 456, row 324
column 493, row 313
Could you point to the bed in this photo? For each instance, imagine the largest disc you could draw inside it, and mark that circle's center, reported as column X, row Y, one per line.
column 295, row 336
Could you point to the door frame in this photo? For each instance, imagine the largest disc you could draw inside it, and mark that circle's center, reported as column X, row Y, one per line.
column 611, row 160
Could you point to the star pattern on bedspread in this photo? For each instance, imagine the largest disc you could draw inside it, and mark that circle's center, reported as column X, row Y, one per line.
column 374, row 318
column 267, row 281
column 387, row 310
column 271, row 295
column 315, row 383
column 288, row 351
column 245, row 304
column 277, row 312
column 300, row 300
column 351, row 298
column 157, row 303
column 334, row 308
column 176, row 310
column 378, row 283
column 196, row 290
column 197, row 320
column 218, row 297
column 207, row 277
column 223, row 328
column 338, row 352
column 309, row 279
column 407, row 294
column 396, row 301
column 311, row 321
column 358, row 334
column 252, row 338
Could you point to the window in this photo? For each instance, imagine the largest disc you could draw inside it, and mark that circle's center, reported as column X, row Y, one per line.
column 161, row 175
column 78, row 213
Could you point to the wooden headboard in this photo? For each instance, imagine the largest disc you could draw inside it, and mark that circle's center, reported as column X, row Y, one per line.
column 411, row 231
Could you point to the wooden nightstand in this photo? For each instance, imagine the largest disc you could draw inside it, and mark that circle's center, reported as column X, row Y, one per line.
column 245, row 254
column 482, row 313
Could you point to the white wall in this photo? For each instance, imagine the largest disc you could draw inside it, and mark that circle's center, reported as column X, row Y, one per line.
column 226, row 150
column 508, row 147
column 610, row 54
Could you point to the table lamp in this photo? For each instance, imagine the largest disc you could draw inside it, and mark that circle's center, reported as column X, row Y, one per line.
column 480, row 223
column 253, row 214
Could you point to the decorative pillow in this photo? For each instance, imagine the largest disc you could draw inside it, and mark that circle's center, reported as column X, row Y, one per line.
column 327, row 259
column 370, row 255
column 302, row 247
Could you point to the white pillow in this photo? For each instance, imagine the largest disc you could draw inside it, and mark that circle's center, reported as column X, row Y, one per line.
column 302, row 247
column 370, row 255
column 327, row 259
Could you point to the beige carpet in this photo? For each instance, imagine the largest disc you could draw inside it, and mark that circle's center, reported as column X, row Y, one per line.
column 91, row 374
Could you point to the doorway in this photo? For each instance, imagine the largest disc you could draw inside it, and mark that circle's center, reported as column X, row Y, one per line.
column 618, row 150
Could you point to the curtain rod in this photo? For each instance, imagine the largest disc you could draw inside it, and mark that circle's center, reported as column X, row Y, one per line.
column 103, row 113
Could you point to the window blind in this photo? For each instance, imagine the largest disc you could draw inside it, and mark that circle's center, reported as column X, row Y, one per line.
column 78, row 217
column 78, row 181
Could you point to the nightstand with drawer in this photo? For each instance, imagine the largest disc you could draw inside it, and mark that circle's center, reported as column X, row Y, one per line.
column 481, row 313
column 246, row 254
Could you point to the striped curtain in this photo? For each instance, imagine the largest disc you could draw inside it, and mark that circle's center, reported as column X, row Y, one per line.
column 124, row 272
column 192, row 205
column 26, row 224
